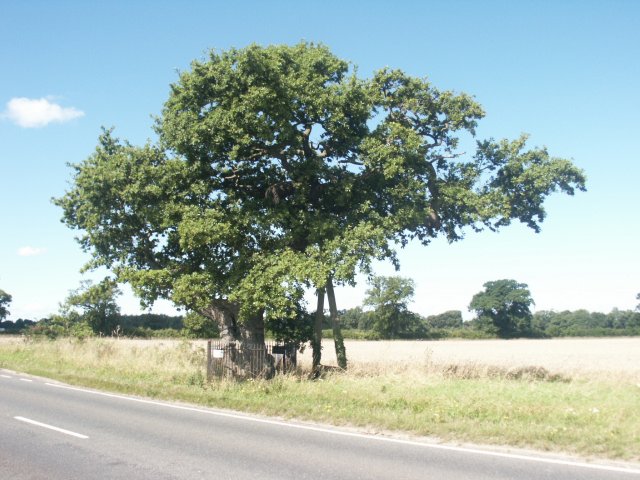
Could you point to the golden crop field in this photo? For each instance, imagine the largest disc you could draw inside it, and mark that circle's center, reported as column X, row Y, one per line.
column 573, row 357
column 597, row 358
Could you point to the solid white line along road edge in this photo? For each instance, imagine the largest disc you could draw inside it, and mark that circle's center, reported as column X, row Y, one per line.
column 329, row 431
column 51, row 427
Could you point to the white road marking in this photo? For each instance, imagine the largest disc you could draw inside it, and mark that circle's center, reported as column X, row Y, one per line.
column 5, row 376
column 26, row 380
column 513, row 456
column 51, row 427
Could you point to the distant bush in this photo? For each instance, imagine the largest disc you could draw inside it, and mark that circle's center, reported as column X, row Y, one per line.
column 146, row 332
column 354, row 334
column 448, row 320
column 466, row 333
column 152, row 321
column 47, row 329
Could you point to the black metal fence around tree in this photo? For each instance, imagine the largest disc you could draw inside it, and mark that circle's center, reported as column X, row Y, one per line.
column 230, row 360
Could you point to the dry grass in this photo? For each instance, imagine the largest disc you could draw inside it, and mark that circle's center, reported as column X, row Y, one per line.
column 607, row 359
column 108, row 361
column 580, row 358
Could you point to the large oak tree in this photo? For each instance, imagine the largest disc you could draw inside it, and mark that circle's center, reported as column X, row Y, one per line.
column 278, row 169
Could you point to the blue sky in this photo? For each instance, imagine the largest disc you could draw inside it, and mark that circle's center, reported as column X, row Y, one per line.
column 566, row 72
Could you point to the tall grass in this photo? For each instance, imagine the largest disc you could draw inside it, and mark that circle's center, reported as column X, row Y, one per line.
column 524, row 407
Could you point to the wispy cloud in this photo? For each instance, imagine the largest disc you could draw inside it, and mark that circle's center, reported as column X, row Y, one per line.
column 38, row 112
column 31, row 251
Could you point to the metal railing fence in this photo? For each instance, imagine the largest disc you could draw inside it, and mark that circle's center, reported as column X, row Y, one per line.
column 230, row 360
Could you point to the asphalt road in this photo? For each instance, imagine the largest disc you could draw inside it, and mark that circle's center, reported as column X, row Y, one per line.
column 52, row 431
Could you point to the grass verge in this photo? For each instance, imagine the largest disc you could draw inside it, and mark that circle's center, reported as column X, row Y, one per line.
column 527, row 408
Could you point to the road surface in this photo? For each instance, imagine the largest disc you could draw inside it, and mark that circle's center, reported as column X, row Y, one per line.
column 53, row 431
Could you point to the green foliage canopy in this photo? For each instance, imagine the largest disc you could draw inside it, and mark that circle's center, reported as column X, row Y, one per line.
column 390, row 297
column 448, row 319
column 5, row 300
column 504, row 306
column 278, row 168
column 584, row 323
column 356, row 318
column 199, row 326
column 94, row 306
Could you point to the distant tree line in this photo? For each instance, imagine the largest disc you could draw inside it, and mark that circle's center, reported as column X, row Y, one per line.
column 145, row 325
column 360, row 324
column 581, row 323
column 502, row 310
column 18, row 326
column 92, row 310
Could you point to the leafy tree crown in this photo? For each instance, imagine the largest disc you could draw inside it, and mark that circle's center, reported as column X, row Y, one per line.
column 278, row 168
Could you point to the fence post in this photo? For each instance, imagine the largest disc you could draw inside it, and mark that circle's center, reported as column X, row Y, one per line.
column 208, row 360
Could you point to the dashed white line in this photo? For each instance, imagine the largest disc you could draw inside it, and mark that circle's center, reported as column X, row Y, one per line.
column 247, row 418
column 51, row 427
column 26, row 380
column 5, row 376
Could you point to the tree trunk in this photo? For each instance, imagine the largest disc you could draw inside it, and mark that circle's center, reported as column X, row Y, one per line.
column 246, row 354
column 341, row 352
column 252, row 330
column 225, row 314
column 259, row 362
column 316, row 343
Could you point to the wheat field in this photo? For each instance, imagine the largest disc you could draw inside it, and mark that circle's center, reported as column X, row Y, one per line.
column 595, row 358
column 601, row 358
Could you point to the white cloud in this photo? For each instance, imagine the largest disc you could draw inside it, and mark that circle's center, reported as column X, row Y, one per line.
column 31, row 251
column 38, row 112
